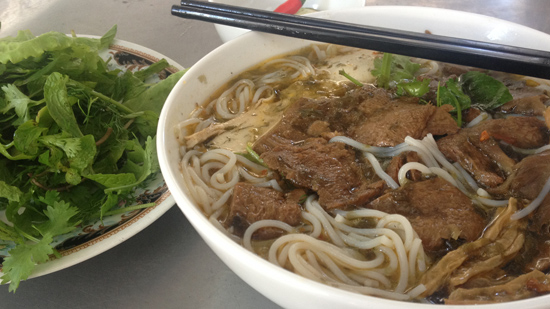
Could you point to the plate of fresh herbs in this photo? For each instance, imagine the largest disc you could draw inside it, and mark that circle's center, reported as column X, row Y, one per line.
column 78, row 166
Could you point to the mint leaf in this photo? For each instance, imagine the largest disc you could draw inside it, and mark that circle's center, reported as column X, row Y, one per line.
column 486, row 92
column 10, row 192
column 57, row 101
column 113, row 180
column 153, row 98
column 142, row 162
column 26, row 136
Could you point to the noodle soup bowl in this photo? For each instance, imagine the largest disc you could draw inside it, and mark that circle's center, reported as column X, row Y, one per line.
column 216, row 69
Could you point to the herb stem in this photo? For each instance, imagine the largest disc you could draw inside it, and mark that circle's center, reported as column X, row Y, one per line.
column 129, row 208
column 104, row 137
column 119, row 105
column 353, row 80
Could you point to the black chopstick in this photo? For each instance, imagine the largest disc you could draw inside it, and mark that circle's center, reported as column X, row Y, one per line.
column 490, row 56
column 316, row 22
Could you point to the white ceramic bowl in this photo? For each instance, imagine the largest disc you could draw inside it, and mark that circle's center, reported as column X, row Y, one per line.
column 208, row 75
column 227, row 33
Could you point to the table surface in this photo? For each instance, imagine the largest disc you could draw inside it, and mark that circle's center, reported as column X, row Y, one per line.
column 168, row 265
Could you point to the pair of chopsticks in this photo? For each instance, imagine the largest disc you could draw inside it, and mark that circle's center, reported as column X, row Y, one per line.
column 491, row 56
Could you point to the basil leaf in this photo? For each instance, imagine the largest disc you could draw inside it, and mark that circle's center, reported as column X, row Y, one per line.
column 486, row 92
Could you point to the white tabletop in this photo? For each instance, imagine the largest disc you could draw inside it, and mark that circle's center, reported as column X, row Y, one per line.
column 167, row 265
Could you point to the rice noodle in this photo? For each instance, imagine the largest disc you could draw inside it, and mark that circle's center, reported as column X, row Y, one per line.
column 234, row 100
column 527, row 151
column 428, row 151
column 477, row 120
column 291, row 67
column 333, row 264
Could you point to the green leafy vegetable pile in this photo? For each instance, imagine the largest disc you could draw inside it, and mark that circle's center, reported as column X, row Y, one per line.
column 75, row 140
column 470, row 89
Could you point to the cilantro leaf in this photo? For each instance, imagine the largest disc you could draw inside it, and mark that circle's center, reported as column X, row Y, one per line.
column 393, row 69
column 22, row 260
column 59, row 214
column 19, row 102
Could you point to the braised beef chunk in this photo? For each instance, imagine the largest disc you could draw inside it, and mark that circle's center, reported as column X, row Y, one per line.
column 330, row 169
column 477, row 151
column 530, row 175
column 437, row 210
column 529, row 106
column 250, row 204
column 459, row 148
column 368, row 115
column 441, row 123
column 310, row 118
column 522, row 132
column 386, row 121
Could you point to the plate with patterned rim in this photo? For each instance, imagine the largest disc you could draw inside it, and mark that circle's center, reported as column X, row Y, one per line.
column 92, row 238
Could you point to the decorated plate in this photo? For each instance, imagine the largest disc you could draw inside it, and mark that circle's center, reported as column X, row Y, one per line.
column 93, row 238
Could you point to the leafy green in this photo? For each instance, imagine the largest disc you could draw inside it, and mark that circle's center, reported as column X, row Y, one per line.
column 76, row 140
column 394, row 69
column 415, row 88
column 18, row 101
column 153, row 98
column 485, row 91
column 353, row 80
column 445, row 96
column 9, row 192
column 57, row 101
column 452, row 94
column 22, row 260
column 471, row 89
column 456, row 90
column 252, row 155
